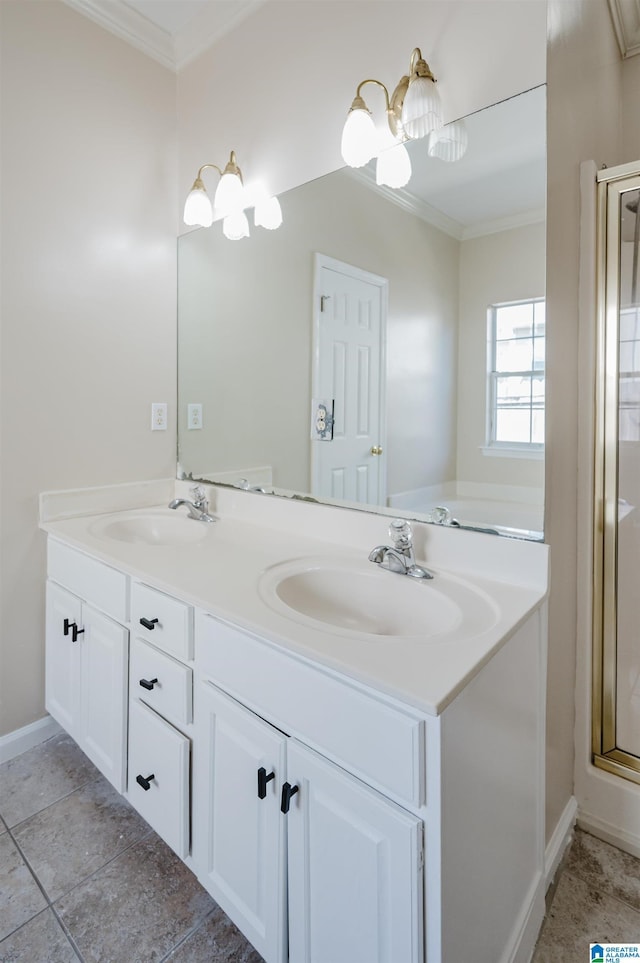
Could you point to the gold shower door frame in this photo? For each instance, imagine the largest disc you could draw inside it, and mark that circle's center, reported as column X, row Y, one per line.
column 612, row 185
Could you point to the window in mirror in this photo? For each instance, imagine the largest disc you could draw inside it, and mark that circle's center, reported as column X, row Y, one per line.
column 515, row 394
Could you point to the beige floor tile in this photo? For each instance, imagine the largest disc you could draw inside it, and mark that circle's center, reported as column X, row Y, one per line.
column 20, row 897
column 217, row 939
column 579, row 915
column 605, row 868
column 137, row 908
column 79, row 834
column 41, row 940
column 41, row 776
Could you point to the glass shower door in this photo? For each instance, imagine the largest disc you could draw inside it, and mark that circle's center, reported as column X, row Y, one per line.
column 616, row 662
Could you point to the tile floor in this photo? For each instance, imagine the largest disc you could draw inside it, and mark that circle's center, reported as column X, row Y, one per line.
column 82, row 877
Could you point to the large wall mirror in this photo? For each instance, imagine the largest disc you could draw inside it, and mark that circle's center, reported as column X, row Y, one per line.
column 414, row 318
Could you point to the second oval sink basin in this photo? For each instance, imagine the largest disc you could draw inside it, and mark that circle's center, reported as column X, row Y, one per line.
column 150, row 528
column 358, row 599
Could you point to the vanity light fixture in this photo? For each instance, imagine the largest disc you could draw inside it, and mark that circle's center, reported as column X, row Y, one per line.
column 230, row 201
column 413, row 111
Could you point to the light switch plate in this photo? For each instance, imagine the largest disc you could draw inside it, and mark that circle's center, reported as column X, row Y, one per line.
column 158, row 416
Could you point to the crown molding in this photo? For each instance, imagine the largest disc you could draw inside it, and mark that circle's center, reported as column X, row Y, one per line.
column 129, row 25
column 626, row 23
column 207, row 28
column 409, row 203
column 443, row 222
column 172, row 50
column 536, row 215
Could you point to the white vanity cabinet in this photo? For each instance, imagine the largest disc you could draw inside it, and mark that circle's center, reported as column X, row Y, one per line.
column 334, row 821
column 303, row 855
column 87, row 657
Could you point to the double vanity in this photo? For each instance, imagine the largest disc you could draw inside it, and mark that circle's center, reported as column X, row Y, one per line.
column 350, row 759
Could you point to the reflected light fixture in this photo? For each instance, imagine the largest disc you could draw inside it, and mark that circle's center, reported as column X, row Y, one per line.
column 449, row 143
column 229, row 201
column 413, row 111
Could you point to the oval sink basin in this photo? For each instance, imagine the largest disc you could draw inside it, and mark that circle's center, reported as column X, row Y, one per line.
column 150, row 528
column 363, row 601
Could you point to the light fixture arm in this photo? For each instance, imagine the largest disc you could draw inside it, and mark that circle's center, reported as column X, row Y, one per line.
column 361, row 105
column 418, row 66
column 231, row 168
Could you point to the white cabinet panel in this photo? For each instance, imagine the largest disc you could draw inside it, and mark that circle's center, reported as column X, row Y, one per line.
column 103, row 694
column 162, row 682
column 159, row 775
column 165, row 621
column 62, row 662
column 86, row 679
column 102, row 586
column 381, row 743
column 355, row 876
column 239, row 829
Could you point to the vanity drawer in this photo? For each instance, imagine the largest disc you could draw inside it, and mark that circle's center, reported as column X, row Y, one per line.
column 96, row 583
column 380, row 742
column 159, row 756
column 169, row 622
column 168, row 684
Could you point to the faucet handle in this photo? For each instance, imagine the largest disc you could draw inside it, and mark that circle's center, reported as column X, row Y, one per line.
column 400, row 533
column 199, row 497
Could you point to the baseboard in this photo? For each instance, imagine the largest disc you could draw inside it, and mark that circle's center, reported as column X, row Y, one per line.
column 560, row 840
column 621, row 838
column 18, row 741
column 527, row 928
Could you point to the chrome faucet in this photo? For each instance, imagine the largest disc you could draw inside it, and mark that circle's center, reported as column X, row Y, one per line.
column 198, row 508
column 399, row 557
column 244, row 485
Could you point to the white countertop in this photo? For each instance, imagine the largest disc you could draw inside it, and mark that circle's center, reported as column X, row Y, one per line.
column 221, row 572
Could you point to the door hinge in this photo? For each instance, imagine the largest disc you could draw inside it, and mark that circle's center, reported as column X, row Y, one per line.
column 421, row 848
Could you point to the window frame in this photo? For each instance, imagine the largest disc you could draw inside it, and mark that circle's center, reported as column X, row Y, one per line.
column 493, row 445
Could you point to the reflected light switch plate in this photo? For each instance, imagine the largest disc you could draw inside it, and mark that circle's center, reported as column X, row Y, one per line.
column 194, row 417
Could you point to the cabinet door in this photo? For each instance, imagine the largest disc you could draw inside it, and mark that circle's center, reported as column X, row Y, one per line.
column 62, row 698
column 103, row 699
column 159, row 775
column 238, row 827
column 355, row 869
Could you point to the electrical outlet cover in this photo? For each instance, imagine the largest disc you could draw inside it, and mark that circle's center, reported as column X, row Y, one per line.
column 158, row 416
column 194, row 417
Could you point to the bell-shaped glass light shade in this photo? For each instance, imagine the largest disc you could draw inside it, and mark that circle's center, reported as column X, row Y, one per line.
column 359, row 138
column 197, row 208
column 450, row 142
column 229, row 194
column 268, row 213
column 393, row 167
column 421, row 110
column 235, row 226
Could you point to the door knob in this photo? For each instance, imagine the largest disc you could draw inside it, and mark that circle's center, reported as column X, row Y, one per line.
column 145, row 781
column 376, row 450
column 149, row 623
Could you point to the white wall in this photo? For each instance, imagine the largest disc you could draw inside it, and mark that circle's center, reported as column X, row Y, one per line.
column 583, row 97
column 88, row 293
column 505, row 266
column 245, row 347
